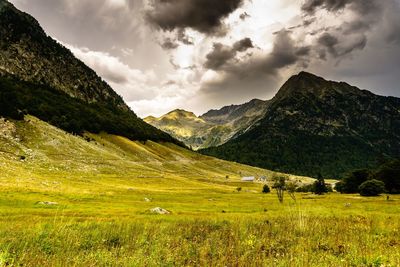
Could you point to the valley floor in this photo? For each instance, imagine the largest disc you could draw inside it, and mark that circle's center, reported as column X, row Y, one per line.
column 67, row 201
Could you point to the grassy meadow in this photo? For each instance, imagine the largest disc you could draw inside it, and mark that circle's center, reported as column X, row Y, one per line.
column 101, row 188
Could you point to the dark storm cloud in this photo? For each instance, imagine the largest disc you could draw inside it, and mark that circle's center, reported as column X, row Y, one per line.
column 204, row 16
column 258, row 75
column 311, row 6
column 285, row 52
column 222, row 54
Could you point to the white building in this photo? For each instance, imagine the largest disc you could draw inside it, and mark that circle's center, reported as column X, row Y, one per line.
column 248, row 179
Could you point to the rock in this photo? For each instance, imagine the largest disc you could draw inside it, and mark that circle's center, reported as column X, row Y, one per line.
column 159, row 210
column 147, row 199
column 47, row 203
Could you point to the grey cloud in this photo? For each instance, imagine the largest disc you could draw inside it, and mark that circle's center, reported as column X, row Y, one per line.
column 182, row 37
column 173, row 43
column 391, row 22
column 285, row 52
column 222, row 54
column 339, row 48
column 204, row 16
column 303, row 51
column 311, row 6
column 350, row 35
column 244, row 16
column 112, row 76
column 258, row 76
column 110, row 26
column 393, row 35
column 329, row 41
column 169, row 44
column 358, row 25
column 219, row 56
column 243, row 45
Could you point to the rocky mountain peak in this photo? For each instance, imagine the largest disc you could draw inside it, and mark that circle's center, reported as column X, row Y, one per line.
column 181, row 113
column 308, row 84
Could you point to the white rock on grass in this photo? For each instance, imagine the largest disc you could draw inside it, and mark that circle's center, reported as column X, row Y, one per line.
column 159, row 210
column 147, row 199
column 47, row 203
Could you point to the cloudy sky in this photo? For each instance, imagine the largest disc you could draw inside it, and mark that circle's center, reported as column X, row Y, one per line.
column 202, row 54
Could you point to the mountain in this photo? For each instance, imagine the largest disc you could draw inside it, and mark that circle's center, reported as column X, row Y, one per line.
column 314, row 126
column 212, row 128
column 39, row 76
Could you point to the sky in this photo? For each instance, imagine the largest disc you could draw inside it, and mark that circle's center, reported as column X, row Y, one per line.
column 198, row 55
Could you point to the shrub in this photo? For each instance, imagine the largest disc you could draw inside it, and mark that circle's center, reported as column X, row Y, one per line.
column 320, row 187
column 351, row 183
column 266, row 189
column 339, row 187
column 280, row 186
column 372, row 188
column 389, row 173
column 306, row 188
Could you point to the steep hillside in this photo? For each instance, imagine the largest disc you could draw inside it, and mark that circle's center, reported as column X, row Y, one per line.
column 33, row 152
column 316, row 126
column 38, row 76
column 214, row 127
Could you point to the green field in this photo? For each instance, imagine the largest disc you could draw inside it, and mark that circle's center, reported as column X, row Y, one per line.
column 104, row 186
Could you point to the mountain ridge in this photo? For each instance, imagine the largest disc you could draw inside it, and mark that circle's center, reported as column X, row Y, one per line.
column 214, row 127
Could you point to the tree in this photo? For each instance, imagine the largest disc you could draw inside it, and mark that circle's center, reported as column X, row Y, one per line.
column 353, row 180
column 372, row 188
column 320, row 187
column 280, row 186
column 389, row 173
column 291, row 189
column 339, row 187
column 266, row 189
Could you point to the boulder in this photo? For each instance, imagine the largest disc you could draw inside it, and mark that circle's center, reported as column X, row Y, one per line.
column 159, row 210
column 47, row 203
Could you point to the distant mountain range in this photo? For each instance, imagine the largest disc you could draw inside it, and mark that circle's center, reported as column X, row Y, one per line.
column 213, row 128
column 312, row 126
column 38, row 76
